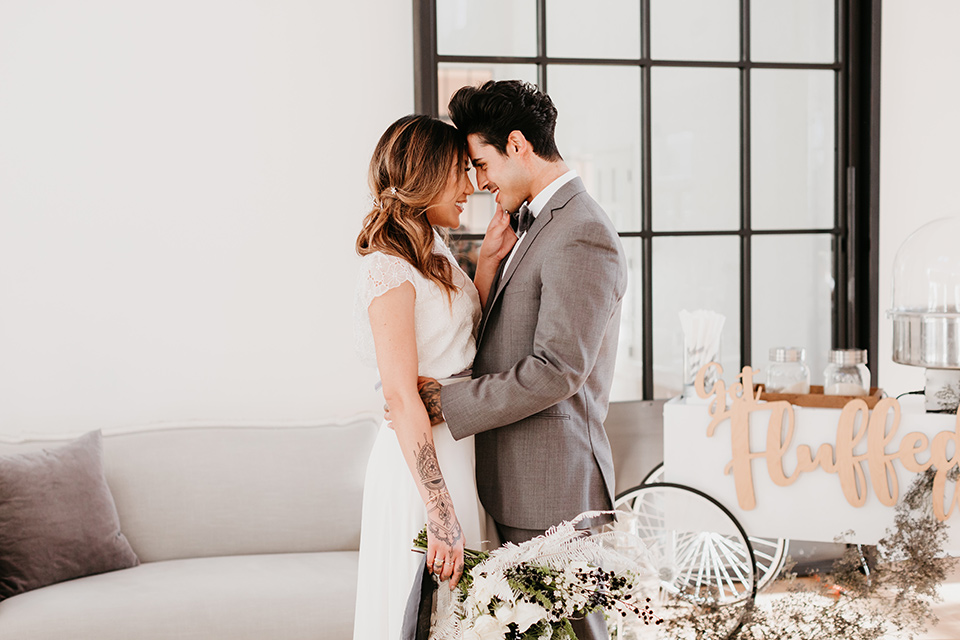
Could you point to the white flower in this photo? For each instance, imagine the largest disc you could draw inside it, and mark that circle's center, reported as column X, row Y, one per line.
column 526, row 614
column 489, row 628
column 471, row 634
column 481, row 590
column 505, row 614
column 486, row 588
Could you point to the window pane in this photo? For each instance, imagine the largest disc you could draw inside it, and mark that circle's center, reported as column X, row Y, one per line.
column 792, row 149
column 467, row 253
column 695, row 142
column 695, row 29
column 791, row 295
column 491, row 27
column 607, row 29
column 452, row 76
column 598, row 134
column 792, row 30
column 693, row 273
column 481, row 205
column 628, row 374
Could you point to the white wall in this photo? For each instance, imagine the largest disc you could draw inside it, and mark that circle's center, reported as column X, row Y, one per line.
column 181, row 184
column 919, row 144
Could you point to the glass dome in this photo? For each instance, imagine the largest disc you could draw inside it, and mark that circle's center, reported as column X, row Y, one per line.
column 926, row 296
column 926, row 269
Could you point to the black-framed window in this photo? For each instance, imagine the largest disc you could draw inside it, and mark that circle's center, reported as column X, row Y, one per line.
column 734, row 143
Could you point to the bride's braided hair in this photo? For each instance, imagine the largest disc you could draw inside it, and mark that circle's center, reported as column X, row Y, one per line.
column 409, row 170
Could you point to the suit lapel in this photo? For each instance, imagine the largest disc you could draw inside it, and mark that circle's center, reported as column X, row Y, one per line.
column 495, row 285
column 556, row 203
column 542, row 221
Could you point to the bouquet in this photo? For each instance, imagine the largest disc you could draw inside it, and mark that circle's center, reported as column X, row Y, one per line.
column 531, row 591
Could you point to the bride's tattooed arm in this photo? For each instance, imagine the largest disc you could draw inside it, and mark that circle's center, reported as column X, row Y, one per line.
column 441, row 519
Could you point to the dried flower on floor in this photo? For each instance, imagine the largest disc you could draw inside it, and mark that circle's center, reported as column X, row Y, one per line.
column 869, row 594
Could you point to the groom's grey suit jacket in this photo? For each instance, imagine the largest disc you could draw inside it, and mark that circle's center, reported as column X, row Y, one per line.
column 541, row 377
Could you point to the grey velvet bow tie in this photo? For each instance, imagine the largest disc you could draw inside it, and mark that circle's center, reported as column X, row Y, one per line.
column 522, row 220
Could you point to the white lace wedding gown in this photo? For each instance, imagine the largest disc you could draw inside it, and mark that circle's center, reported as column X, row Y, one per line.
column 393, row 512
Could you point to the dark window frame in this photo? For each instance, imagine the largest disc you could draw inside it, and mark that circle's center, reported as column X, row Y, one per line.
column 855, row 234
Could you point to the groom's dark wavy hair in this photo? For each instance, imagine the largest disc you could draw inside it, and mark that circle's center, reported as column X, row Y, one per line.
column 496, row 108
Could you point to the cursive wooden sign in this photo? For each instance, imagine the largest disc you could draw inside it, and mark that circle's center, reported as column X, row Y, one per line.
column 857, row 425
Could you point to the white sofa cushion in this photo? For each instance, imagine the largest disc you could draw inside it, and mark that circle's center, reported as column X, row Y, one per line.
column 290, row 596
column 199, row 491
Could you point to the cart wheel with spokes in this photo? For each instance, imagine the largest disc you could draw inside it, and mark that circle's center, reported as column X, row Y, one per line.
column 770, row 553
column 700, row 552
column 699, row 549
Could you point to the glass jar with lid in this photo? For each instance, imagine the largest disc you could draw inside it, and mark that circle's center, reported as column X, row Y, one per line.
column 847, row 374
column 787, row 371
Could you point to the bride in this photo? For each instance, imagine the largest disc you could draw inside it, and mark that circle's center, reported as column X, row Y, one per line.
column 416, row 315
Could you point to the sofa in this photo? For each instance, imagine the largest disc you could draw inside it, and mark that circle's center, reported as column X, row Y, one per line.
column 241, row 532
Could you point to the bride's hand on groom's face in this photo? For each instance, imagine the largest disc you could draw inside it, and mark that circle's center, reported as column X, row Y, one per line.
column 499, row 238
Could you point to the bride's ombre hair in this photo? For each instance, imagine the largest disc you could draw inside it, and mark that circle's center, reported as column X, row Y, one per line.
column 409, row 170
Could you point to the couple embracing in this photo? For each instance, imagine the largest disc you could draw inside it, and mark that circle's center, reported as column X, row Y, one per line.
column 498, row 387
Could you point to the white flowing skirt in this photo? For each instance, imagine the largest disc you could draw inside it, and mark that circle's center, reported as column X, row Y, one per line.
column 393, row 514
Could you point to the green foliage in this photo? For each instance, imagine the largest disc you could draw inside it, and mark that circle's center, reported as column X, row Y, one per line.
column 567, row 628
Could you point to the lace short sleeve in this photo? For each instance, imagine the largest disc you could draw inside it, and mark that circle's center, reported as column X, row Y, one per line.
column 379, row 273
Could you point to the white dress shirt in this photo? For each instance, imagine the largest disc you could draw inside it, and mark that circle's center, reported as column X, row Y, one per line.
column 538, row 203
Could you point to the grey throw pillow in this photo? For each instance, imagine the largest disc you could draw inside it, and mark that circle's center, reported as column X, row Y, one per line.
column 58, row 520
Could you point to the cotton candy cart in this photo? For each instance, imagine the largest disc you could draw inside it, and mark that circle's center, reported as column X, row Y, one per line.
column 743, row 476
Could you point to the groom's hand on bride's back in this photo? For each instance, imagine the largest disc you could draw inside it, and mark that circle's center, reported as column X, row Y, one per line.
column 429, row 390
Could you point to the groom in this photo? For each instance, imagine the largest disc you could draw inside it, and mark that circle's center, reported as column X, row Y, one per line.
column 548, row 337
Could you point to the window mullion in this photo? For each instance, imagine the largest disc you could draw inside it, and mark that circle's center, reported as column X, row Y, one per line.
column 542, row 44
column 844, row 179
column 426, row 91
column 646, row 203
column 745, row 189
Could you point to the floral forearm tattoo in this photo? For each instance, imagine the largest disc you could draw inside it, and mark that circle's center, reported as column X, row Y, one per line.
column 430, row 395
column 441, row 520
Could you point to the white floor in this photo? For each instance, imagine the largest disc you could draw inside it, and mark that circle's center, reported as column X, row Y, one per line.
column 948, row 611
